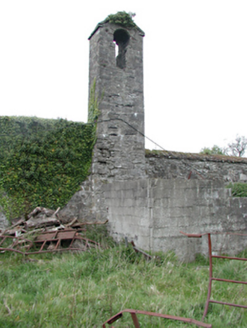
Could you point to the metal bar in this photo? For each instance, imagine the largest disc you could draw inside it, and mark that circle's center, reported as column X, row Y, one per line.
column 137, row 250
column 230, row 304
column 228, row 280
column 172, row 317
column 114, row 318
column 90, row 240
column 58, row 243
column 135, row 320
column 210, row 277
column 41, row 248
column 30, row 246
column 229, row 258
column 159, row 315
column 12, row 250
column 3, row 240
column 72, row 241
column 192, row 235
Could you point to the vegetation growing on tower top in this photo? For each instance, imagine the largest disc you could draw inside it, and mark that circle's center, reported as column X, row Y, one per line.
column 121, row 18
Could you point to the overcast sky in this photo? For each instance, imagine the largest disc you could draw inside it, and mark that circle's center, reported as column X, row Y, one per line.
column 195, row 64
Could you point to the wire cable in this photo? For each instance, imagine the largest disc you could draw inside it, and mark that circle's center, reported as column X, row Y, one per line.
column 168, row 152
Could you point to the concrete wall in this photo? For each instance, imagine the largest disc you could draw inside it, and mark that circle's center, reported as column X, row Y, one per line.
column 152, row 212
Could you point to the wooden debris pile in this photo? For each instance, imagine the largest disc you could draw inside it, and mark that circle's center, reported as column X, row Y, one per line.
column 43, row 232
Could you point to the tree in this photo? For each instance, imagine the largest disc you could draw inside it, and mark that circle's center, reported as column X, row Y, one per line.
column 238, row 147
column 215, row 150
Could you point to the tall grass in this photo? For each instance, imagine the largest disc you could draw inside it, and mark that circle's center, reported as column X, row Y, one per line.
column 85, row 289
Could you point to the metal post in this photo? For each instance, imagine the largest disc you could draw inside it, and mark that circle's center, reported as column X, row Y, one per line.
column 210, row 276
column 135, row 320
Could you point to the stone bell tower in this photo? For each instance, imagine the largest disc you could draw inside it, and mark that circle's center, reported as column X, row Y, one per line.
column 116, row 66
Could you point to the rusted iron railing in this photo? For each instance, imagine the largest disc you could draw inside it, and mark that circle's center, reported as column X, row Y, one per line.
column 44, row 240
column 159, row 315
column 211, row 278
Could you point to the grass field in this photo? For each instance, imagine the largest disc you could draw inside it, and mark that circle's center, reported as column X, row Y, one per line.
column 85, row 289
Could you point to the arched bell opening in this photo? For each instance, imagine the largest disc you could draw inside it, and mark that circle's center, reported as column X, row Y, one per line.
column 121, row 38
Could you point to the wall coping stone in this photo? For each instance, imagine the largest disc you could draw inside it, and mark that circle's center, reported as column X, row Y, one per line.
column 194, row 156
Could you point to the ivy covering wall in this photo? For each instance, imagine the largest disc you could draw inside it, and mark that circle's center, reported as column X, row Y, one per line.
column 42, row 162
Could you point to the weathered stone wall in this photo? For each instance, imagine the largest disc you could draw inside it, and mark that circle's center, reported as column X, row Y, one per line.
column 170, row 165
column 119, row 150
column 152, row 212
column 80, row 205
column 89, row 202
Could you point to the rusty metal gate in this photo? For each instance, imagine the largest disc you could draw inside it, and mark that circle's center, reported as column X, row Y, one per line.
column 211, row 278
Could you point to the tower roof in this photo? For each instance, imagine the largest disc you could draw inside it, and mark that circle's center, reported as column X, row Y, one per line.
column 122, row 19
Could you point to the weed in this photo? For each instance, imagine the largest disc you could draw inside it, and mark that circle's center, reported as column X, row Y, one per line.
column 84, row 289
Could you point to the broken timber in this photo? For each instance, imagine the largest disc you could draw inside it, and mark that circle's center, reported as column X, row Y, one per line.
column 48, row 234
